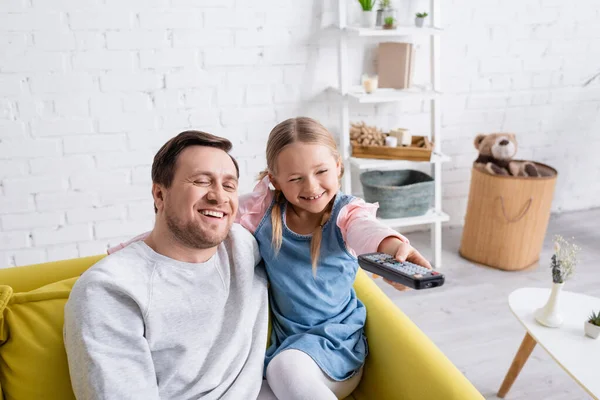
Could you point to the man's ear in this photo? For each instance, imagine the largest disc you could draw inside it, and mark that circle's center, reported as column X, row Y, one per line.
column 274, row 182
column 478, row 139
column 158, row 194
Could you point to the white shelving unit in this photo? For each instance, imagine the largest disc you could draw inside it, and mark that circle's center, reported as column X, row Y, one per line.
column 436, row 216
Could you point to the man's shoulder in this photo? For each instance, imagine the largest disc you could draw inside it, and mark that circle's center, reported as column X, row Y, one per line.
column 124, row 267
column 241, row 242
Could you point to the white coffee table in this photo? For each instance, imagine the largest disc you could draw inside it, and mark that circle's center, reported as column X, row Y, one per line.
column 576, row 353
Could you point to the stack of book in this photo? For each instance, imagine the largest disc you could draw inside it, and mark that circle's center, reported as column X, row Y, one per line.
column 395, row 65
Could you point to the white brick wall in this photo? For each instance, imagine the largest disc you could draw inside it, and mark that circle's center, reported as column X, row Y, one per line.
column 90, row 89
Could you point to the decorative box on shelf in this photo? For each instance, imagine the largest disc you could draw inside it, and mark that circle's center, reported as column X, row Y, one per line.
column 420, row 150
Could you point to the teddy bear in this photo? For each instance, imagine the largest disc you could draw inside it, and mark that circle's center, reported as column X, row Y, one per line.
column 496, row 151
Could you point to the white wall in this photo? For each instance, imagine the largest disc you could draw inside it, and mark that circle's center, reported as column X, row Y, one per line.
column 89, row 90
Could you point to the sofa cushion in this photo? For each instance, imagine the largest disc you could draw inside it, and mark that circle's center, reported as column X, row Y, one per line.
column 33, row 361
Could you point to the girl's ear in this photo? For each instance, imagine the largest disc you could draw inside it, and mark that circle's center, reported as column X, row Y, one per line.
column 274, row 182
column 338, row 166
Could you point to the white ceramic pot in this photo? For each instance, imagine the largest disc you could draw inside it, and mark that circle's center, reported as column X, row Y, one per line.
column 369, row 19
column 419, row 22
column 591, row 330
column 549, row 315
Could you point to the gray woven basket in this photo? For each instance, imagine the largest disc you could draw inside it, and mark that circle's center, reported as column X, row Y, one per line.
column 400, row 193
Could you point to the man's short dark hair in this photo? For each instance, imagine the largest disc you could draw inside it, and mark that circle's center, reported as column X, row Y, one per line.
column 165, row 161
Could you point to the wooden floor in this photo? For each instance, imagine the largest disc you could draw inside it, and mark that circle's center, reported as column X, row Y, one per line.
column 469, row 319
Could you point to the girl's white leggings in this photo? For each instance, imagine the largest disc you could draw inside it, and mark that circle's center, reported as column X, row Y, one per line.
column 293, row 375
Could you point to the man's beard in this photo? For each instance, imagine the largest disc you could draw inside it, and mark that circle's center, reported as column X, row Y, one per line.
column 191, row 235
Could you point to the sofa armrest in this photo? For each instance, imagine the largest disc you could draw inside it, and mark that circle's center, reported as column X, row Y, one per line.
column 403, row 363
column 30, row 277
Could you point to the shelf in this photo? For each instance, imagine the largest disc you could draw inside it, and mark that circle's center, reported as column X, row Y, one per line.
column 389, row 95
column 429, row 218
column 399, row 31
column 374, row 163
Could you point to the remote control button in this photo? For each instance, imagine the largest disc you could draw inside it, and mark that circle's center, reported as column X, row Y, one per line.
column 418, row 276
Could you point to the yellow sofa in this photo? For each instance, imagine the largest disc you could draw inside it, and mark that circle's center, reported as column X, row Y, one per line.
column 402, row 363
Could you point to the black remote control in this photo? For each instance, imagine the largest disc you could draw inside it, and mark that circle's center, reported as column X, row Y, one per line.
column 405, row 273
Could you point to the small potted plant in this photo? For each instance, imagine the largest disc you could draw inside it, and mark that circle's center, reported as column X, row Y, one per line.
column 592, row 325
column 384, row 10
column 420, row 19
column 389, row 23
column 369, row 17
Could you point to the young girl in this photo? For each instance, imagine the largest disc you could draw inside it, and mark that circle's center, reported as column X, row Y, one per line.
column 309, row 234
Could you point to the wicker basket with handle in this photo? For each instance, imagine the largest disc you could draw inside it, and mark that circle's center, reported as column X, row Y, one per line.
column 506, row 218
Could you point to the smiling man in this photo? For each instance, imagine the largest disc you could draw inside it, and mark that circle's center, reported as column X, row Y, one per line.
column 183, row 313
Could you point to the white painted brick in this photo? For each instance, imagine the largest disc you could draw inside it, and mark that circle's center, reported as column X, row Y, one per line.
column 202, row 38
column 138, row 82
column 263, row 37
column 137, row 102
column 168, row 99
column 66, row 4
column 125, row 159
column 6, row 260
column 13, row 240
column 204, row 4
column 292, row 74
column 53, row 41
column 142, row 175
column 12, row 129
column 13, row 43
column 11, row 85
column 232, row 57
column 176, row 120
column 127, row 122
column 92, row 248
column 106, row 104
column 168, row 58
column 137, row 4
column 137, row 40
column 89, row 40
column 189, row 79
column 14, row 5
column 260, row 75
column 30, row 256
column 64, row 201
column 501, row 64
column 31, row 21
column 182, row 19
column 100, row 20
column 16, row 204
column 481, row 102
column 545, row 79
column 32, row 220
column 287, row 94
column 198, row 98
column 62, row 127
column 569, row 46
column 141, row 210
column 8, row 110
column 258, row 95
column 9, row 169
column 63, row 165
column 94, row 144
column 38, row 184
column 91, row 180
column 34, row 62
column 109, row 229
column 103, row 59
column 11, row 149
column 230, row 95
column 92, row 214
column 61, row 83
column 238, row 18
column 64, row 252
column 32, row 108
column 205, row 119
column 232, row 116
column 543, row 64
column 529, row 48
column 125, row 195
column 72, row 106
column 283, row 55
column 153, row 141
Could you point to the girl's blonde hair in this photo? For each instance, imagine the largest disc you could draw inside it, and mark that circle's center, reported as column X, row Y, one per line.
column 304, row 130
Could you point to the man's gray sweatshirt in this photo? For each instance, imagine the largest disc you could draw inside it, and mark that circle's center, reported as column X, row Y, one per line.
column 139, row 325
